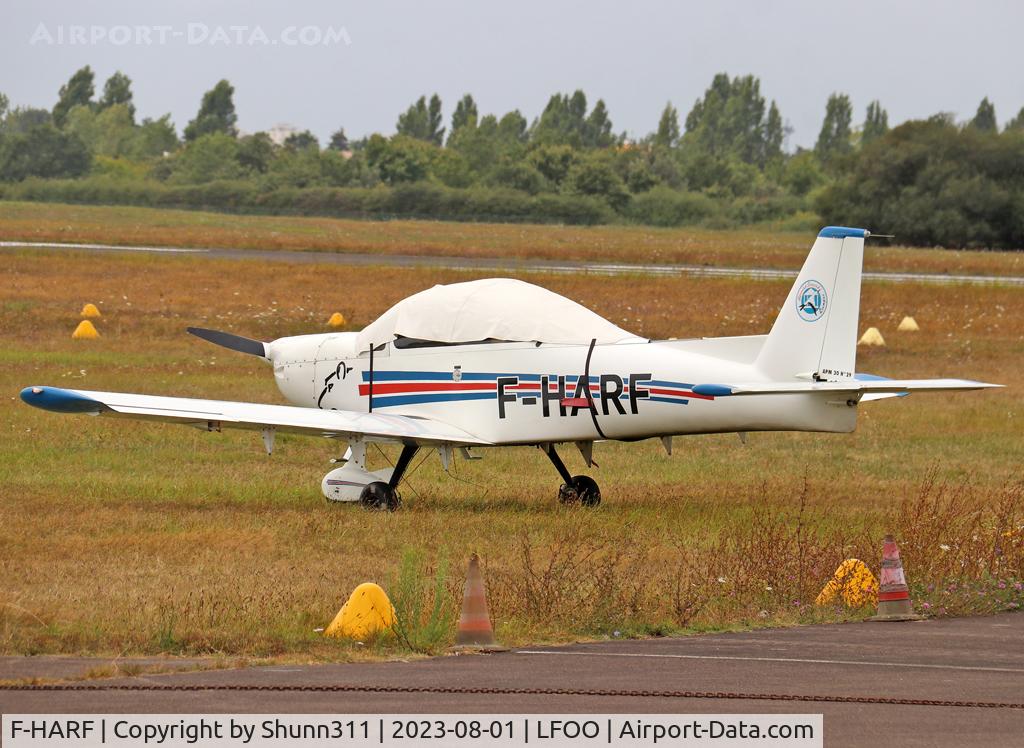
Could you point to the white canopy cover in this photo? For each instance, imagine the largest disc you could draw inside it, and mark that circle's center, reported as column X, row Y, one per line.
column 492, row 308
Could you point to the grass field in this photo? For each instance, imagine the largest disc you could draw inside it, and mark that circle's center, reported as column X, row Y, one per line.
column 126, row 537
column 764, row 246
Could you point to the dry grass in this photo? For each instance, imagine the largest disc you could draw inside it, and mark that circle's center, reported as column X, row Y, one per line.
column 140, row 538
column 755, row 247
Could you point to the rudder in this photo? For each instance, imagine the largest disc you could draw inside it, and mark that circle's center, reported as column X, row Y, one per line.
column 815, row 334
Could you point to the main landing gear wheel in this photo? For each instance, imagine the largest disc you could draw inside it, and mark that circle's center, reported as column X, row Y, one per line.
column 582, row 489
column 379, row 496
column 577, row 488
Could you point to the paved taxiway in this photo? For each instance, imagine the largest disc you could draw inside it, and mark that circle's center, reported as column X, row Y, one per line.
column 953, row 660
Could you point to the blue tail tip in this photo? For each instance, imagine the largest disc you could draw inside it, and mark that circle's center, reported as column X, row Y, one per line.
column 712, row 390
column 843, row 232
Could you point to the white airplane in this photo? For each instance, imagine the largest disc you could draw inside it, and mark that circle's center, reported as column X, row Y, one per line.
column 501, row 362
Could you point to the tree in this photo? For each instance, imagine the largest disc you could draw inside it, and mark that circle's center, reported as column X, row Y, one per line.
column 23, row 119
column 465, row 115
column 301, row 141
column 517, row 175
column 597, row 129
column 43, row 151
column 109, row 132
column 208, row 157
column 1017, row 123
column 255, row 152
column 4, row 103
column 876, row 123
column 399, row 159
column 802, row 173
column 668, row 127
column 77, row 91
column 154, row 138
column 513, row 128
column 562, row 122
column 339, row 141
column 422, row 121
column 834, row 138
column 553, row 161
column 729, row 121
column 933, row 184
column 296, row 168
column 434, row 120
column 118, row 90
column 565, row 121
column 985, row 118
column 774, row 135
column 594, row 175
column 216, row 113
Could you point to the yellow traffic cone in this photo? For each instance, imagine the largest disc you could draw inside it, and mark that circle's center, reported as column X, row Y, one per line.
column 90, row 310
column 367, row 611
column 85, row 331
column 853, row 582
column 909, row 324
column 872, row 337
column 337, row 320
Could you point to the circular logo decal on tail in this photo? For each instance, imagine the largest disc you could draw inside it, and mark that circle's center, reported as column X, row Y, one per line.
column 811, row 301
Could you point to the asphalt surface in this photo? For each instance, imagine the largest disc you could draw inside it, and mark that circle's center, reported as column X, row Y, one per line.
column 499, row 264
column 962, row 660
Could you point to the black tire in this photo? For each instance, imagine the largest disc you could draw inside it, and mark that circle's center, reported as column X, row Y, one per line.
column 583, row 489
column 379, row 496
column 567, row 495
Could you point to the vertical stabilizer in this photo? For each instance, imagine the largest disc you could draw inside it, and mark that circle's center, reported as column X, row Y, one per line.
column 816, row 331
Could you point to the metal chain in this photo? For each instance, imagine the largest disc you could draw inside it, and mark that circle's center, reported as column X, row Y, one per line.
column 521, row 692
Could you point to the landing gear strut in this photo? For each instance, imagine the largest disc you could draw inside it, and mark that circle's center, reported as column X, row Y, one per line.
column 384, row 496
column 576, row 488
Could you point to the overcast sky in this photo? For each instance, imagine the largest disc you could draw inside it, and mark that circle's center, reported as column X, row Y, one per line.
column 917, row 56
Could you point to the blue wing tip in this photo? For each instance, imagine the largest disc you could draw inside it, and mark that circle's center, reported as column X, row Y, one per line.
column 842, row 232
column 60, row 401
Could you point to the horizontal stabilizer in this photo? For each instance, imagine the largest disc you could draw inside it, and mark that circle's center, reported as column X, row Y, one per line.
column 214, row 415
column 873, row 386
column 234, row 342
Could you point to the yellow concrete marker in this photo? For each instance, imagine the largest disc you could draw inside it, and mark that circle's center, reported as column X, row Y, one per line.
column 367, row 612
column 90, row 310
column 872, row 337
column 853, row 582
column 85, row 331
column 909, row 324
column 337, row 320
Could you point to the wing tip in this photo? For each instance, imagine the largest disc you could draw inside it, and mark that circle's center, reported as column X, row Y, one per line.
column 59, row 400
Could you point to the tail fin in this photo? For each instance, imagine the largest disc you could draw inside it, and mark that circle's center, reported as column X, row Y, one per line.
column 815, row 334
column 228, row 340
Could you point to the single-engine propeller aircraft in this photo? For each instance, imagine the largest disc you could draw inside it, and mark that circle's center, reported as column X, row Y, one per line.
column 502, row 362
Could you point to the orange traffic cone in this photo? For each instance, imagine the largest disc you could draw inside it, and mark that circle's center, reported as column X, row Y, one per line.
column 893, row 594
column 475, row 630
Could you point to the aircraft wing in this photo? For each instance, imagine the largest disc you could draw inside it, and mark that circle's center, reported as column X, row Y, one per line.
column 214, row 415
column 867, row 387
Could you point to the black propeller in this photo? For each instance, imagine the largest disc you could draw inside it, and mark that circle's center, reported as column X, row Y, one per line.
column 234, row 342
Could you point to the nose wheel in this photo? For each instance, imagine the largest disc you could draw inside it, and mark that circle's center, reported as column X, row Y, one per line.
column 577, row 489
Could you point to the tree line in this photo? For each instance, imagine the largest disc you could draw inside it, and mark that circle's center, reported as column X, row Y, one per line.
column 933, row 182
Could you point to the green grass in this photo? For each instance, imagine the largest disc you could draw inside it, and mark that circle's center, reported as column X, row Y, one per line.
column 122, row 536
